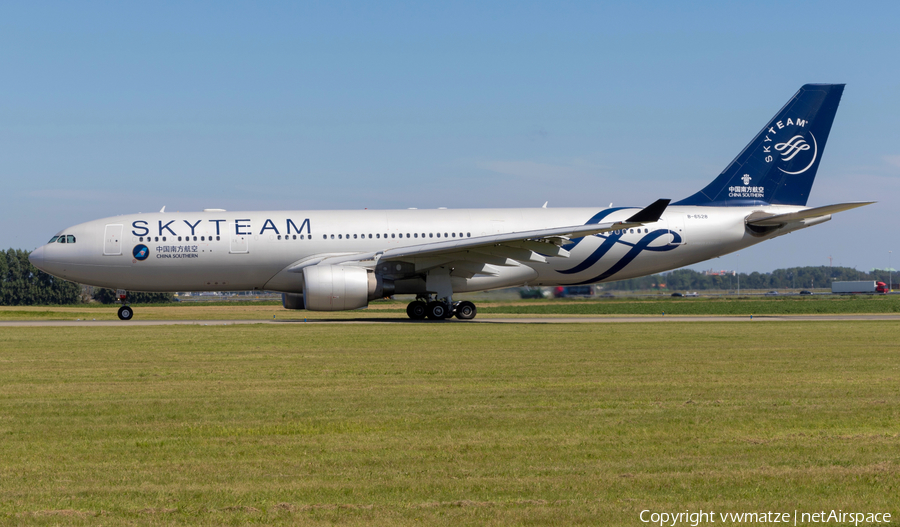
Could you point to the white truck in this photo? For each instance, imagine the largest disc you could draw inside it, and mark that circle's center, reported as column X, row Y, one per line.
column 860, row 286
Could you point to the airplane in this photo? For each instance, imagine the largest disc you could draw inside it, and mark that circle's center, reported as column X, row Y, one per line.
column 341, row 260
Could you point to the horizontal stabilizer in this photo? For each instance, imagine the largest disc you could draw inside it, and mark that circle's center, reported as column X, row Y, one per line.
column 781, row 219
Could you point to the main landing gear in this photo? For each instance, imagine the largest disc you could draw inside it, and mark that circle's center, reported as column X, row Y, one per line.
column 125, row 312
column 437, row 310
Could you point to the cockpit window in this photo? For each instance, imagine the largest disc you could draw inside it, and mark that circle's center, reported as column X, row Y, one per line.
column 70, row 238
column 62, row 239
column 53, row 239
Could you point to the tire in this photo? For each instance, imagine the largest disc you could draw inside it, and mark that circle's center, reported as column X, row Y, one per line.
column 466, row 310
column 126, row 313
column 417, row 310
column 437, row 311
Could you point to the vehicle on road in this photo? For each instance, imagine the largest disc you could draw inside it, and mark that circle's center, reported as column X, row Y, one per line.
column 859, row 286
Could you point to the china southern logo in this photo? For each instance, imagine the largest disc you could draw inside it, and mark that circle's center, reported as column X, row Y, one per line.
column 746, row 191
column 140, row 252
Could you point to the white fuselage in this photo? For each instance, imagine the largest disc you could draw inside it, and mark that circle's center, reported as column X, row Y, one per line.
column 235, row 251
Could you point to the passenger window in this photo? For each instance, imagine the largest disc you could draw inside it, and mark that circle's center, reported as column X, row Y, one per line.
column 164, row 238
column 439, row 235
column 431, row 235
column 217, row 238
column 179, row 238
column 279, row 237
column 370, row 236
column 340, row 237
column 354, row 236
column 392, row 235
column 445, row 235
column 468, row 235
column 407, row 235
column 156, row 238
column 332, row 236
column 378, row 236
column 416, row 235
column 454, row 235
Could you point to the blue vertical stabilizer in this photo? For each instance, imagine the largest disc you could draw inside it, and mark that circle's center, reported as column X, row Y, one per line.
column 779, row 165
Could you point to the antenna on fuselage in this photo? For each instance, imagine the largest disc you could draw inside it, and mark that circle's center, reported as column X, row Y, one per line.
column 163, row 209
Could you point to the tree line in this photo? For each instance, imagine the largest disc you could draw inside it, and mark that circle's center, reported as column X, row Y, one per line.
column 22, row 284
column 790, row 278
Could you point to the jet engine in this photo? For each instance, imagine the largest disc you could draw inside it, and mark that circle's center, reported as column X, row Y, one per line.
column 340, row 287
column 292, row 301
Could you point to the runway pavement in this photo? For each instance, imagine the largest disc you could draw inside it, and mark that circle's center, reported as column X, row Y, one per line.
column 480, row 320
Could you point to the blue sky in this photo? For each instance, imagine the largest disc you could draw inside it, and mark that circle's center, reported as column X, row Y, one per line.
column 113, row 108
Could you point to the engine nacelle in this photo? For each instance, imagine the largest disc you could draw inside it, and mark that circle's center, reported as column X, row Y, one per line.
column 339, row 287
column 292, row 301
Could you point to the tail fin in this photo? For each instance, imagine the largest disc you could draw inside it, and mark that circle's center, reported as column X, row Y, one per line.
column 778, row 167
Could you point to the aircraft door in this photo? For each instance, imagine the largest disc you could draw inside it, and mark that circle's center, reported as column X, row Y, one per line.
column 239, row 243
column 676, row 230
column 112, row 240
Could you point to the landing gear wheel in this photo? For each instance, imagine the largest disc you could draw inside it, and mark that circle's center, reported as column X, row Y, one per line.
column 126, row 313
column 417, row 310
column 465, row 310
column 437, row 310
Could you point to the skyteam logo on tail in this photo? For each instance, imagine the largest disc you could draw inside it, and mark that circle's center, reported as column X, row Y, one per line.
column 794, row 148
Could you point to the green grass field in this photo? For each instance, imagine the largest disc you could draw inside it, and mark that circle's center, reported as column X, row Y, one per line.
column 445, row 423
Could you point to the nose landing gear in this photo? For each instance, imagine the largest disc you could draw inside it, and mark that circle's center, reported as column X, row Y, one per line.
column 125, row 312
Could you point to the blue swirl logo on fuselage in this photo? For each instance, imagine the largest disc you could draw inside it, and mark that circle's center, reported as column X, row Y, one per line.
column 609, row 241
column 140, row 252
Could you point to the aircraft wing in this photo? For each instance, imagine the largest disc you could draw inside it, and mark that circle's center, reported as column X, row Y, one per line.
column 780, row 219
column 497, row 249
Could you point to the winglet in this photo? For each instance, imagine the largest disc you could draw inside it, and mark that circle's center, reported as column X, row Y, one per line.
column 651, row 213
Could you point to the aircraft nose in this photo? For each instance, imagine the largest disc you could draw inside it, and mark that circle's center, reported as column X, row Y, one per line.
column 37, row 257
